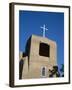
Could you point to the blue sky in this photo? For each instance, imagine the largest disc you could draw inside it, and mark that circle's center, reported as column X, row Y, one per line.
column 30, row 23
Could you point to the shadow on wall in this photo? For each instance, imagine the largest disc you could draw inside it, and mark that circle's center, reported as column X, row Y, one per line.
column 21, row 68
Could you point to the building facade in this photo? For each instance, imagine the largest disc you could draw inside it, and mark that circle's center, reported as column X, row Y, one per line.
column 40, row 56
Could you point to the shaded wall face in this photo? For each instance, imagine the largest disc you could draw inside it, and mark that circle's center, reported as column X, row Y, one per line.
column 27, row 48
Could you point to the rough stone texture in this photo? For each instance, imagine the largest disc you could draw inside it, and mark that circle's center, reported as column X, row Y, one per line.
column 34, row 62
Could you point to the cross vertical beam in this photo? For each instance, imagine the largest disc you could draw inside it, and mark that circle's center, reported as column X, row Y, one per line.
column 44, row 29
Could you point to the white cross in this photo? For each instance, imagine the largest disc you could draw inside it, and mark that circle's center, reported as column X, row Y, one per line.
column 44, row 29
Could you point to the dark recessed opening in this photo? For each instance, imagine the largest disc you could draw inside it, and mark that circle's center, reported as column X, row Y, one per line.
column 44, row 50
